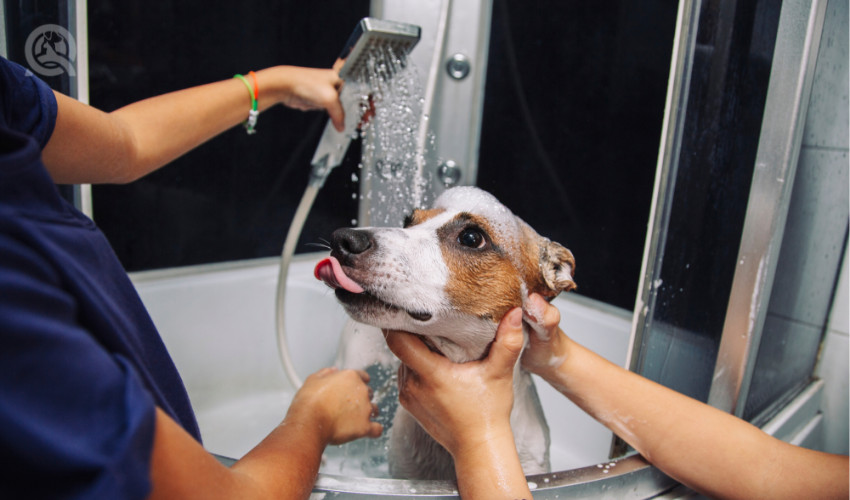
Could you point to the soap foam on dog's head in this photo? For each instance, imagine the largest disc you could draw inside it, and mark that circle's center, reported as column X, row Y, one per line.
column 473, row 200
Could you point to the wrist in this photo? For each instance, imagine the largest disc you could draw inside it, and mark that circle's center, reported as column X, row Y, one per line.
column 274, row 86
column 560, row 352
column 483, row 441
column 303, row 419
column 489, row 467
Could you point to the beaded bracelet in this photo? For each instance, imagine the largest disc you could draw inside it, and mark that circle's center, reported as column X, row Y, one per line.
column 253, row 91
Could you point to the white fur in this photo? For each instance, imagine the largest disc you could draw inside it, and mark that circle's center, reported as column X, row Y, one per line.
column 406, row 269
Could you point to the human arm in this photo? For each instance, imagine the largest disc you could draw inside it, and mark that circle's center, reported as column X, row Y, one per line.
column 331, row 407
column 466, row 408
column 700, row 446
column 91, row 146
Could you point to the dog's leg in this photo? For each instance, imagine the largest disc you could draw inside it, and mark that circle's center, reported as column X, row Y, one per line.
column 413, row 453
column 362, row 345
column 531, row 432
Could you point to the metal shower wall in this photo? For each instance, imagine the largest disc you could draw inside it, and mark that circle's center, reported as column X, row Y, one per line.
column 451, row 59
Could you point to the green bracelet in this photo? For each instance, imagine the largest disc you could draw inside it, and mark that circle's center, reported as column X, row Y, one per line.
column 251, row 122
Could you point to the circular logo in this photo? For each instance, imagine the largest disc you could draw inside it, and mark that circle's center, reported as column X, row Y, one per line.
column 51, row 50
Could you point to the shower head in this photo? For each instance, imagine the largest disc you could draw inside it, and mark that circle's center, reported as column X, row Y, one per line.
column 371, row 38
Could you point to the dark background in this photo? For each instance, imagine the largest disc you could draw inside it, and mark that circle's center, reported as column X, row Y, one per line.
column 572, row 121
column 571, row 125
column 234, row 197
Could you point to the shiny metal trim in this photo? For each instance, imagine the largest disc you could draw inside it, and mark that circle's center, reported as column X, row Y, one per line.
column 626, row 478
column 792, row 71
column 797, row 414
column 82, row 192
column 672, row 129
column 4, row 50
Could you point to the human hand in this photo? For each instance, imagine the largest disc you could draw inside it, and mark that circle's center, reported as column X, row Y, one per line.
column 338, row 403
column 462, row 406
column 547, row 343
column 312, row 88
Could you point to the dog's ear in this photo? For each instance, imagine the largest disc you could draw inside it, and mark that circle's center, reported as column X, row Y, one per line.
column 557, row 266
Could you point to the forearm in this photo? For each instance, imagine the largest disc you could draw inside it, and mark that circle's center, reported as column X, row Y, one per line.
column 290, row 474
column 167, row 126
column 90, row 146
column 491, row 470
column 284, row 465
column 700, row 446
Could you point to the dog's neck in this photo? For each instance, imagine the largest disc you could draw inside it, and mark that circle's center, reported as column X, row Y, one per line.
column 476, row 348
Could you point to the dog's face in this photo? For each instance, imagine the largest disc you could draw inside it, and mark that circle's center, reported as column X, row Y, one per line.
column 449, row 275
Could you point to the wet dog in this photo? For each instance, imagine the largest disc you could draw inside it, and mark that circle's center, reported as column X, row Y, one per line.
column 450, row 275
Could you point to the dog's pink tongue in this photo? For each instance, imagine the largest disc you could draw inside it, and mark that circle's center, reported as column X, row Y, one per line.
column 329, row 271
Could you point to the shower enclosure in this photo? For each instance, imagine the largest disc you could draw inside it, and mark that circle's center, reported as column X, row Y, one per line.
column 667, row 144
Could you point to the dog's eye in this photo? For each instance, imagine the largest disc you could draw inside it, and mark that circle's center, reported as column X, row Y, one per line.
column 472, row 238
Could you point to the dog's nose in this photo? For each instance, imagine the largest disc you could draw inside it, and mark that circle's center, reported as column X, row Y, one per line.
column 351, row 242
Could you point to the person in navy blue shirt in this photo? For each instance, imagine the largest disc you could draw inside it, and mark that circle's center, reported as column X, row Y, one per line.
column 91, row 405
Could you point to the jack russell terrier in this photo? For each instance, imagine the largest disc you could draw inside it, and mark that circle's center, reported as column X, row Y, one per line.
column 450, row 275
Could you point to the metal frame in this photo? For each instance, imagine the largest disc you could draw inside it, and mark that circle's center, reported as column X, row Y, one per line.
column 669, row 149
column 3, row 49
column 82, row 192
column 630, row 477
column 797, row 42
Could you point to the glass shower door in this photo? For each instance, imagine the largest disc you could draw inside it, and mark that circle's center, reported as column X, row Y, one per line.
column 727, row 164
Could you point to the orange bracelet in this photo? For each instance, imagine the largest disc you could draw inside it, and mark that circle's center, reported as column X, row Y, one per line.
column 256, row 85
column 253, row 113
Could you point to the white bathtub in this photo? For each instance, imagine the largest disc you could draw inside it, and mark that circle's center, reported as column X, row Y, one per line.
column 218, row 324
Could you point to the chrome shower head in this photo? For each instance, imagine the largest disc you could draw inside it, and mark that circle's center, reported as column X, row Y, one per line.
column 372, row 36
column 371, row 39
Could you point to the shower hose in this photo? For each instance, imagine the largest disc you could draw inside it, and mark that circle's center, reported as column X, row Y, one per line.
column 286, row 255
column 317, row 180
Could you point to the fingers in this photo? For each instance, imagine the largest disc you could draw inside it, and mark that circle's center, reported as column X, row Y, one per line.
column 333, row 105
column 507, row 346
column 336, row 114
column 363, row 375
column 542, row 316
column 375, row 430
column 412, row 351
column 324, row 371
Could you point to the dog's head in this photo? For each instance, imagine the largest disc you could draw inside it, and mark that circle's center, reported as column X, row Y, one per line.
column 449, row 275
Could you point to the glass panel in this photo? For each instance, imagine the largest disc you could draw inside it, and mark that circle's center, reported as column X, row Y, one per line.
column 815, row 235
column 234, row 197
column 731, row 68
column 42, row 37
column 573, row 106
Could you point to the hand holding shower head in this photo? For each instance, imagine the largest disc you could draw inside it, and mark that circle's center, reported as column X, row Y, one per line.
column 371, row 38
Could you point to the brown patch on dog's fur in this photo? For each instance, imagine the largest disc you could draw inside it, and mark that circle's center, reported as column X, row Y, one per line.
column 543, row 262
column 477, row 282
column 420, row 216
column 484, row 271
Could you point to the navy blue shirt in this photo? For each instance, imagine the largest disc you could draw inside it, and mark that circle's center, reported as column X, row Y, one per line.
column 82, row 367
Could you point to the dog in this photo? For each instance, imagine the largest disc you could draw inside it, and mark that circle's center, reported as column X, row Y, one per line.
column 450, row 275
